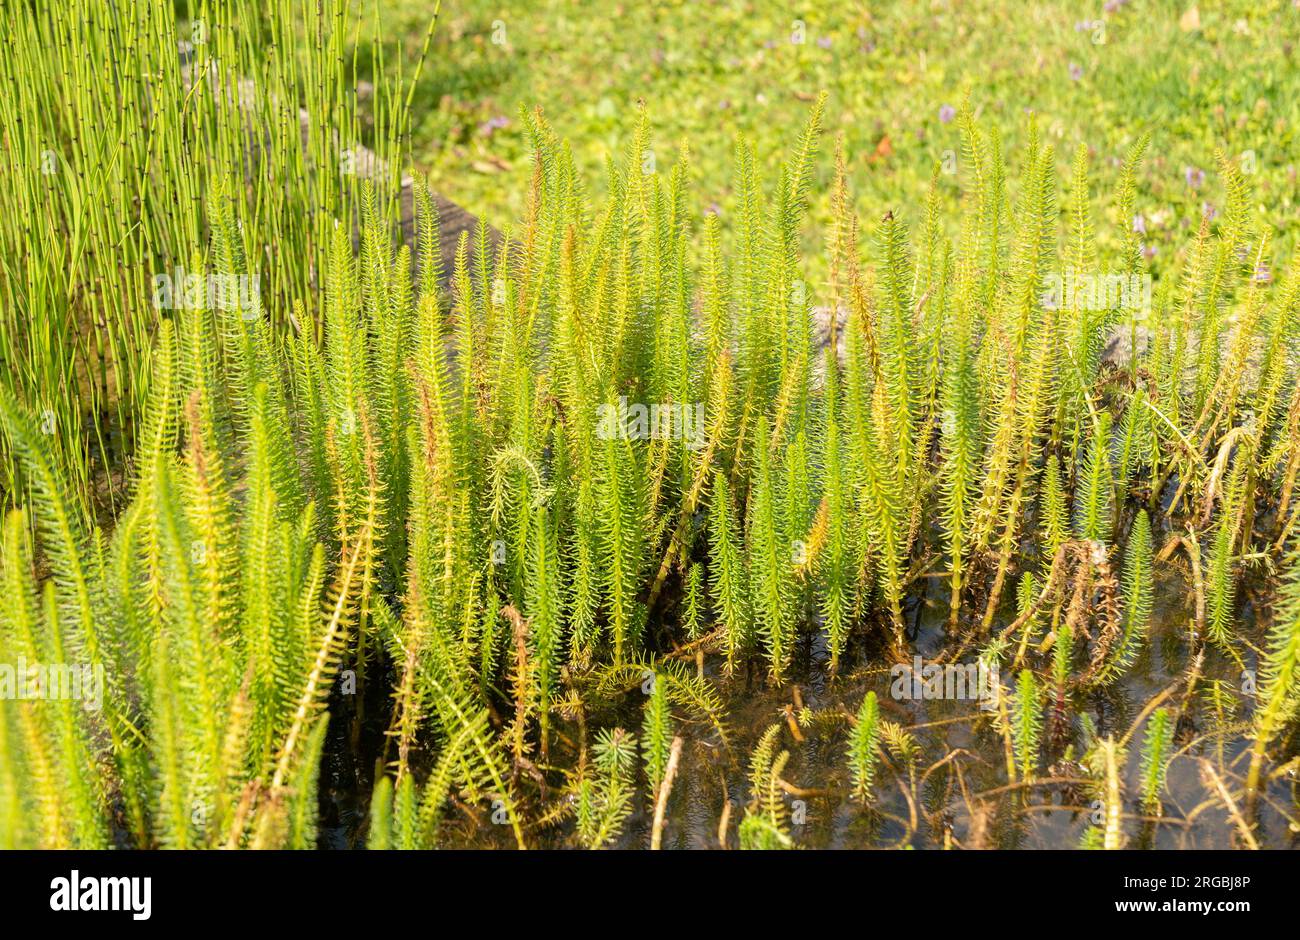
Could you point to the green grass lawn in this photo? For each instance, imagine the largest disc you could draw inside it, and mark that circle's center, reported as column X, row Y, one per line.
column 1199, row 78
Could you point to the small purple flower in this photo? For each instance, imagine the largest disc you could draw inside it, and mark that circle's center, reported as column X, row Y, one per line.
column 1208, row 210
column 1195, row 178
column 1139, row 224
column 1262, row 274
column 491, row 125
column 1148, row 251
column 1110, row 6
column 824, row 41
column 947, row 113
column 1076, row 71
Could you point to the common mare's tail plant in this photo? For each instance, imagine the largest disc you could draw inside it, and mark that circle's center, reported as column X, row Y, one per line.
column 629, row 445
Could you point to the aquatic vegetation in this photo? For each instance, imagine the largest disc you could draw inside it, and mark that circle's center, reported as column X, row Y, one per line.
column 629, row 467
column 1138, row 583
column 863, row 741
column 656, row 736
column 1026, row 724
column 1155, row 757
column 766, row 824
column 605, row 798
column 1278, row 691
